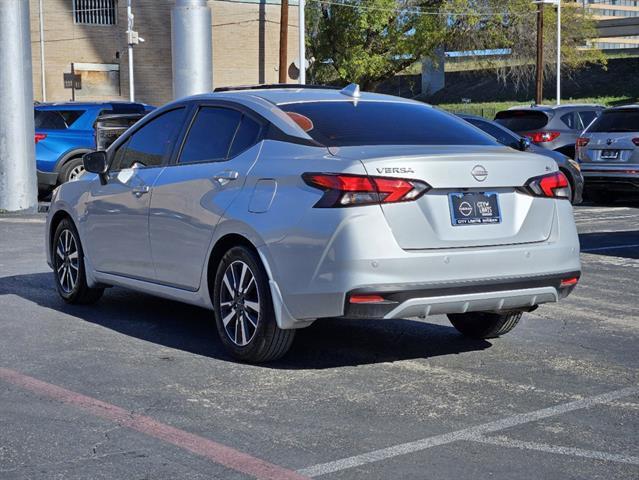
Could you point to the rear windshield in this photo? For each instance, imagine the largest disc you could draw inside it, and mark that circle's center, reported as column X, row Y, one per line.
column 56, row 119
column 522, row 120
column 350, row 123
column 617, row 121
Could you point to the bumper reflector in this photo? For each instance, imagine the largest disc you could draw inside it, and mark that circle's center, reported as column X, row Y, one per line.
column 366, row 299
column 569, row 282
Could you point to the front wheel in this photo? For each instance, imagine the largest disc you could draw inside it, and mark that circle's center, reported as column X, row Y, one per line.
column 483, row 325
column 68, row 266
column 244, row 312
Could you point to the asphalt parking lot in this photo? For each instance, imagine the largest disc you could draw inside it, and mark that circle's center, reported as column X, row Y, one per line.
column 140, row 388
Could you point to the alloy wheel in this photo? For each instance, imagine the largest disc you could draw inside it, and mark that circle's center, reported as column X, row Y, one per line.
column 239, row 303
column 67, row 263
column 76, row 172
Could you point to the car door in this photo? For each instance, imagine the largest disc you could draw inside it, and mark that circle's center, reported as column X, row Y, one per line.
column 192, row 194
column 116, row 221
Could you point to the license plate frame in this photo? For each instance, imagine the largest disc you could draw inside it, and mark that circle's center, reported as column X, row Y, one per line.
column 474, row 208
column 610, row 154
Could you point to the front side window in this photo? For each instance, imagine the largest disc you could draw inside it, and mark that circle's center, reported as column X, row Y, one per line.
column 150, row 145
column 213, row 136
column 348, row 123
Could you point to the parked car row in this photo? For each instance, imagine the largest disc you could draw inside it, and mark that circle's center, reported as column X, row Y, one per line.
column 64, row 132
column 604, row 142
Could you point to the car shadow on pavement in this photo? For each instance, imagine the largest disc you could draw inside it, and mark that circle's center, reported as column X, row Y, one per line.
column 623, row 244
column 326, row 344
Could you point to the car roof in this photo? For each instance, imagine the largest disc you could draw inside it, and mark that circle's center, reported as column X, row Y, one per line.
column 551, row 108
column 633, row 106
column 279, row 95
column 86, row 104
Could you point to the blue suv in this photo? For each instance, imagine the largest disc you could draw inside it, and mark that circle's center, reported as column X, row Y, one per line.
column 64, row 132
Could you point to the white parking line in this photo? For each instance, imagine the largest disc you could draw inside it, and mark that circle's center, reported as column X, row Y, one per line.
column 542, row 447
column 464, row 434
column 612, row 247
column 21, row 220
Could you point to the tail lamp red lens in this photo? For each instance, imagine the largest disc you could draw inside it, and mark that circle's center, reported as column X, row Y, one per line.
column 346, row 190
column 542, row 137
column 553, row 185
column 582, row 142
column 636, row 141
column 569, row 282
column 39, row 137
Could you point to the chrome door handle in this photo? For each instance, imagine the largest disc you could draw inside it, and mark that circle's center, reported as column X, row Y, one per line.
column 226, row 176
column 140, row 190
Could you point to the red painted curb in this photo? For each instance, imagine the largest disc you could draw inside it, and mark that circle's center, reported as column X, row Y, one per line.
column 217, row 452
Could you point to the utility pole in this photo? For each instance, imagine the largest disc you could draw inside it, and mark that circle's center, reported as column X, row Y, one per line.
column 558, row 52
column 302, row 42
column 284, row 42
column 132, row 38
column 18, row 184
column 191, row 48
column 43, row 80
column 539, row 81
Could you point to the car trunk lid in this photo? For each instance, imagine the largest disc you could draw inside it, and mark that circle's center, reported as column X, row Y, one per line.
column 427, row 222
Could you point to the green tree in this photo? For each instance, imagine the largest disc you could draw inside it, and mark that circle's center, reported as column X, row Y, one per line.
column 367, row 41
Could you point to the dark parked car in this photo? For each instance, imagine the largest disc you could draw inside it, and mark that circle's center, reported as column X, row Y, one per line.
column 552, row 127
column 569, row 167
column 609, row 154
column 64, row 132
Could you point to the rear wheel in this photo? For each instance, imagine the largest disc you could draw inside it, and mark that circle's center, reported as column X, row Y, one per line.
column 244, row 312
column 72, row 170
column 68, row 266
column 484, row 324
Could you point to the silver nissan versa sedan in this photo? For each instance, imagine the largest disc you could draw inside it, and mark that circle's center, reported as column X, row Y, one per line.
column 276, row 207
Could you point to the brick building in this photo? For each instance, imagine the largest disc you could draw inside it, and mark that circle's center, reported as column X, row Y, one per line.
column 91, row 35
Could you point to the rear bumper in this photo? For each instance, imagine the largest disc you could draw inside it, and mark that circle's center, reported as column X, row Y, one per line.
column 47, row 179
column 401, row 301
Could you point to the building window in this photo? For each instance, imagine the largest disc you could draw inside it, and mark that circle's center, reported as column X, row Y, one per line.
column 95, row 12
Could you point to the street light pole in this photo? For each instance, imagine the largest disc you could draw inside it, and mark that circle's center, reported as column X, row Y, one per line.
column 302, row 40
column 129, row 16
column 43, row 81
column 18, row 184
column 539, row 80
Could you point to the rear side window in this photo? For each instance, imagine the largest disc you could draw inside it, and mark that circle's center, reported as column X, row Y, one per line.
column 500, row 135
column 348, row 123
column 247, row 135
column 522, row 120
column 587, row 117
column 617, row 121
column 152, row 143
column 570, row 120
column 56, row 119
column 210, row 137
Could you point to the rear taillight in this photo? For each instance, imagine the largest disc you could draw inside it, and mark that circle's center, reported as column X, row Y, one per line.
column 541, row 137
column 636, row 141
column 569, row 282
column 345, row 190
column 553, row 185
column 40, row 136
column 582, row 142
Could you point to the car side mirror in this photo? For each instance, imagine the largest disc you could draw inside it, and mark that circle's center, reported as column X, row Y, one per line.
column 524, row 143
column 96, row 162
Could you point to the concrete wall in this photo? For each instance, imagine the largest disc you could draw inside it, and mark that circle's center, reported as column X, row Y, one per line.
column 245, row 46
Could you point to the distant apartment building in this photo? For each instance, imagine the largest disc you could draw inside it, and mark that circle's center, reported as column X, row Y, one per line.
column 89, row 36
column 610, row 10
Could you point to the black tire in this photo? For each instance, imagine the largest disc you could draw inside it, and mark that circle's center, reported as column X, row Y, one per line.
column 484, row 324
column 250, row 335
column 68, row 266
column 70, row 168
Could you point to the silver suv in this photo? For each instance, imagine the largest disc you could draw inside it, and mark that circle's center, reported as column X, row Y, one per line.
column 278, row 207
column 608, row 151
column 553, row 127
